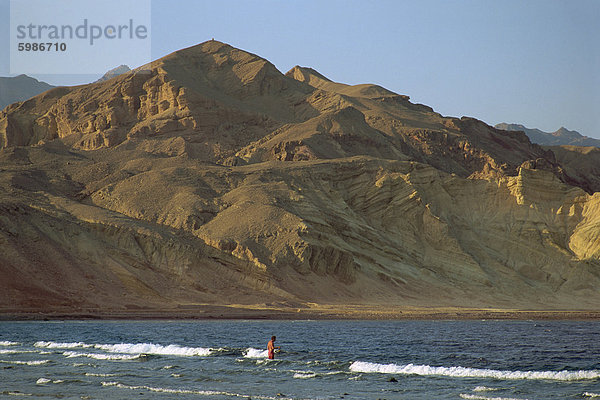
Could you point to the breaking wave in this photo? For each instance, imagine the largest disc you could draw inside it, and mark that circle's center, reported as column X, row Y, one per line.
column 132, row 348
column 255, row 353
column 462, row 372
column 8, row 343
column 155, row 349
column 55, row 345
column 100, row 356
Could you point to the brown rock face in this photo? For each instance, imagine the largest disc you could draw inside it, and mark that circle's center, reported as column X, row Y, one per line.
column 208, row 177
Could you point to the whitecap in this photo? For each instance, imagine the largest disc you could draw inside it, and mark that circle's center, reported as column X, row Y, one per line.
column 59, row 345
column 150, row 348
column 42, row 381
column 255, row 353
column 8, row 343
column 101, row 356
column 9, row 351
column 34, row 362
column 588, row 394
column 484, row 389
column 190, row 391
column 305, row 375
column 477, row 397
column 462, row 372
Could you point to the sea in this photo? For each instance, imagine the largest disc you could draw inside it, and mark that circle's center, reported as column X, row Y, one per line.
column 479, row 360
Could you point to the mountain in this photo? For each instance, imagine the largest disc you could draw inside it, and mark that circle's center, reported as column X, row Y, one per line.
column 121, row 69
column 208, row 180
column 562, row 136
column 19, row 88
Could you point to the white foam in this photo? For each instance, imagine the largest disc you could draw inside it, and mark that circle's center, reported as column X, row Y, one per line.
column 189, row 391
column 476, row 397
column 100, row 356
column 8, row 343
column 150, row 348
column 59, row 345
column 484, row 389
column 462, row 372
column 299, row 374
column 16, row 394
column 9, row 351
column 43, row 381
column 305, row 375
column 256, row 353
column 34, row 362
column 588, row 394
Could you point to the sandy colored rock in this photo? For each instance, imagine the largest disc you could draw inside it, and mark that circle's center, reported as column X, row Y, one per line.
column 209, row 179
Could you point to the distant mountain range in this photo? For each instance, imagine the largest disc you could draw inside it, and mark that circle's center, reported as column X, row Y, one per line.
column 19, row 88
column 563, row 136
column 23, row 87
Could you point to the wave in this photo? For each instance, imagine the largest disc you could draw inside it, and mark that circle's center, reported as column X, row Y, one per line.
column 484, row 389
column 100, row 375
column 255, row 353
column 190, row 391
column 100, row 356
column 11, row 351
column 34, row 362
column 312, row 374
column 588, row 394
column 132, row 348
column 477, row 397
column 43, row 381
column 155, row 349
column 17, row 394
column 305, row 375
column 8, row 343
column 58, row 345
column 462, row 372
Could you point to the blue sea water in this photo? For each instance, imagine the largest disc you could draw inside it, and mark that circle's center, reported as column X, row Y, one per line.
column 319, row 360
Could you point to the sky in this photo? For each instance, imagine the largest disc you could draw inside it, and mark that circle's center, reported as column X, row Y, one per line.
column 532, row 62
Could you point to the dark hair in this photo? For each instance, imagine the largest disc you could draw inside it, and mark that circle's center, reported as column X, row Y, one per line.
column 273, row 337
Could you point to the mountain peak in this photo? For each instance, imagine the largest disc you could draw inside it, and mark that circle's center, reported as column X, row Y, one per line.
column 308, row 75
column 121, row 69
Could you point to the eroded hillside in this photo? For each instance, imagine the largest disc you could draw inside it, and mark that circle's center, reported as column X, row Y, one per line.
column 209, row 177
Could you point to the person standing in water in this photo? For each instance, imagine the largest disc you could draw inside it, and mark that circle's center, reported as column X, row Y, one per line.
column 271, row 347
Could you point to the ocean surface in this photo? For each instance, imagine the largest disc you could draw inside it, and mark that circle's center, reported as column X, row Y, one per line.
column 319, row 360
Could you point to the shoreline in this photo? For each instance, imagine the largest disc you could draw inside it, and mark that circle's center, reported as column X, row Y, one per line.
column 212, row 312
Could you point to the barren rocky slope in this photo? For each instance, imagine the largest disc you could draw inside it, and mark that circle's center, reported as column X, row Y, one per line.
column 209, row 177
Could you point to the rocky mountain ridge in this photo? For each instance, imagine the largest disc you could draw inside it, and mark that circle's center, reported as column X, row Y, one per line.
column 561, row 137
column 209, row 177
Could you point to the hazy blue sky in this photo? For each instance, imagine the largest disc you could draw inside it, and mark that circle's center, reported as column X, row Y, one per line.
column 533, row 62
